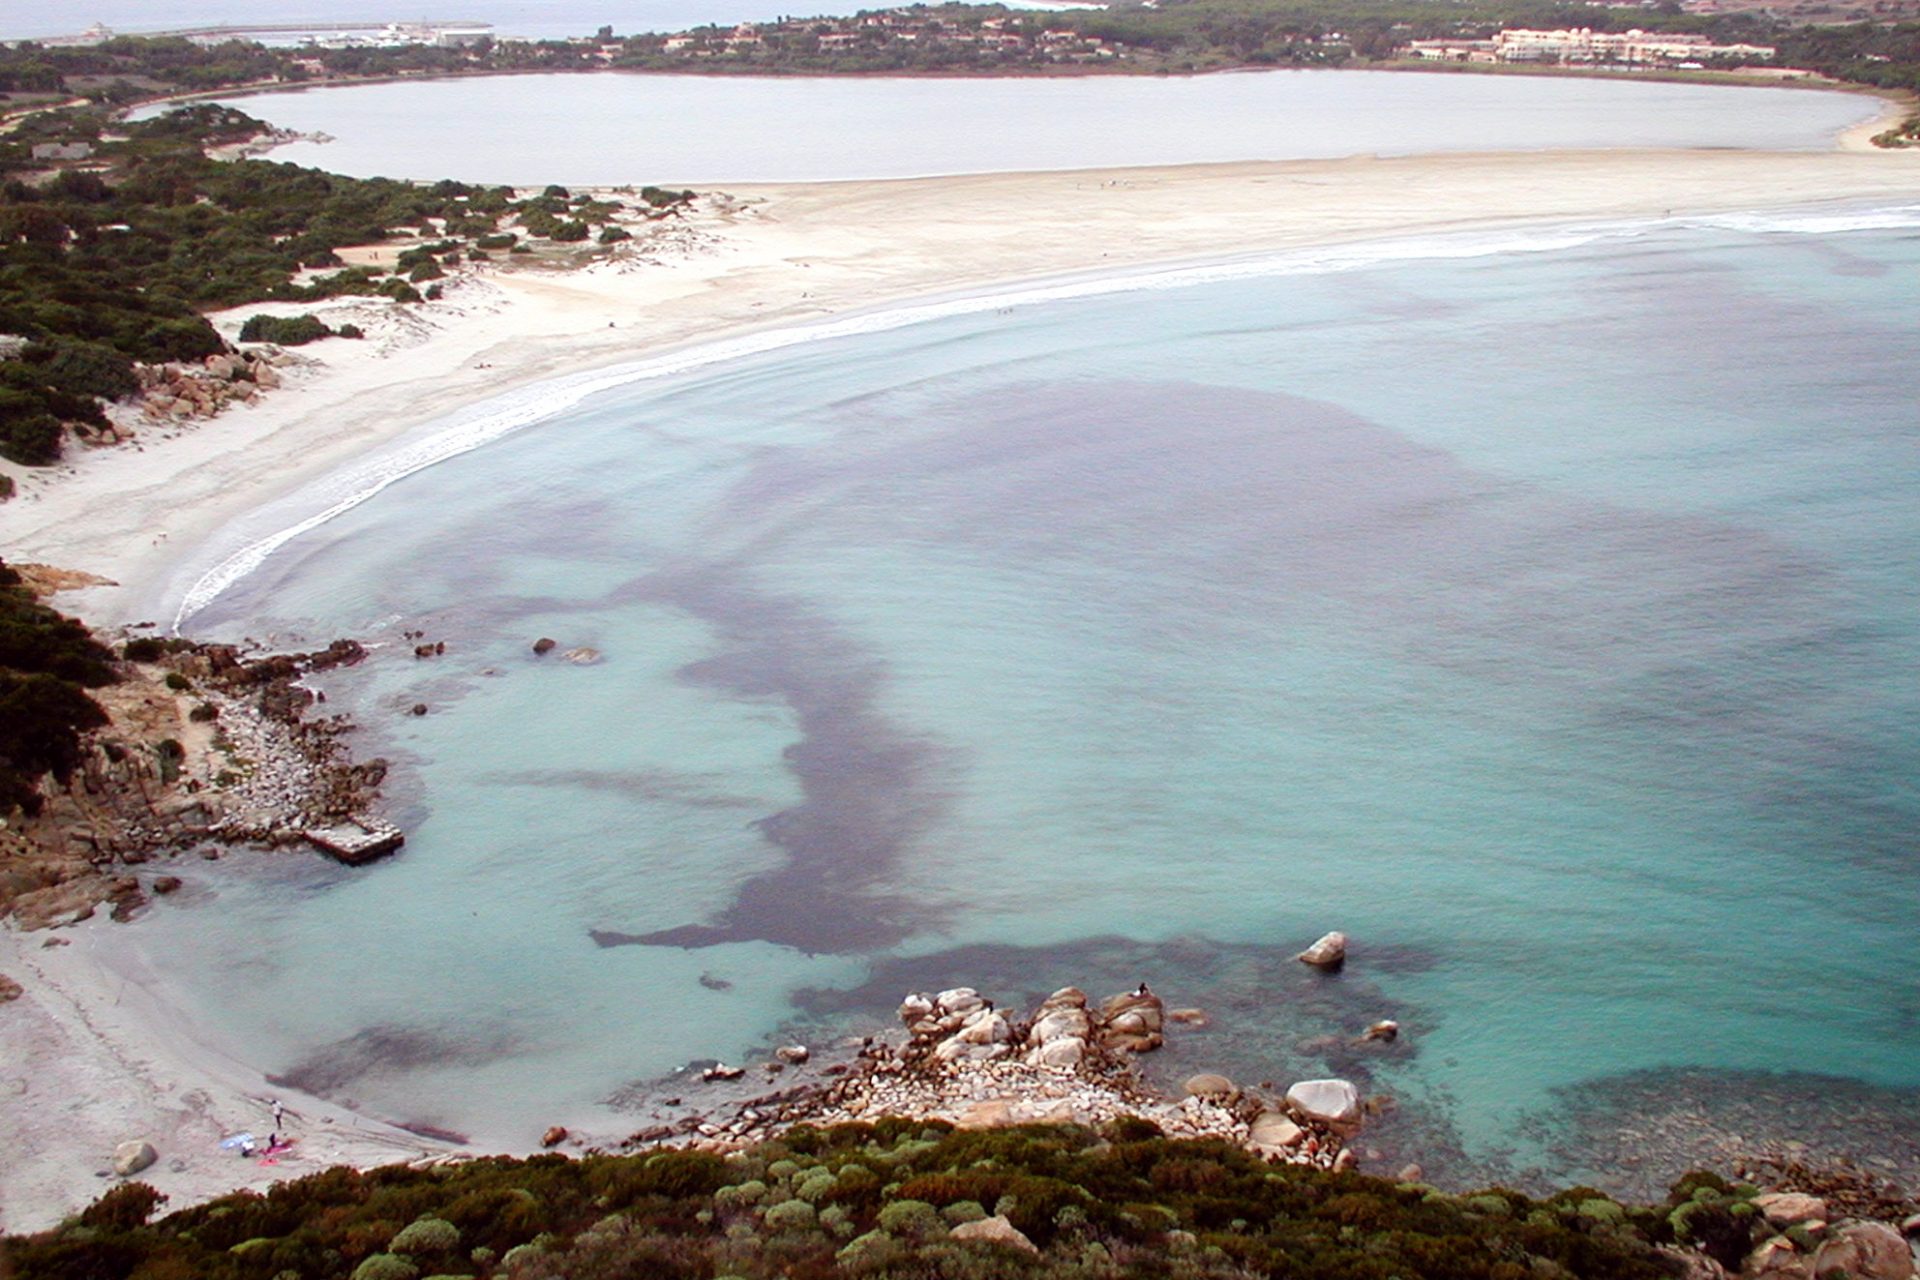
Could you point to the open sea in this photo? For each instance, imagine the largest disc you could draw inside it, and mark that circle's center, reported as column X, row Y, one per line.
column 1538, row 608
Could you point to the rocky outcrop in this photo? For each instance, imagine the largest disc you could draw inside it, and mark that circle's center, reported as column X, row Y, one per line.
column 956, row 1024
column 1062, row 1030
column 1134, row 1023
column 155, row 782
column 179, row 393
column 1329, row 952
column 1864, row 1251
column 9, row 989
column 974, row 1065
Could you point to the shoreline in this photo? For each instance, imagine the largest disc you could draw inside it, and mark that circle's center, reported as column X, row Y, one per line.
column 769, row 260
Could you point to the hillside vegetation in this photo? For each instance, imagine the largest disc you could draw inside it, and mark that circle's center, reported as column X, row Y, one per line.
column 894, row 1199
column 47, row 663
column 112, row 261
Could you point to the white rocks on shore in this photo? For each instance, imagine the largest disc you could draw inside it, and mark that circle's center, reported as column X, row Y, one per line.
column 973, row 1065
column 1334, row 1103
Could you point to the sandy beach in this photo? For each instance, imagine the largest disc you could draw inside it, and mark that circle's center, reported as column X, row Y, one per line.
column 88, row 1061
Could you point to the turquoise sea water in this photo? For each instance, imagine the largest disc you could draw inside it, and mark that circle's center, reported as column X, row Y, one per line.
column 1539, row 611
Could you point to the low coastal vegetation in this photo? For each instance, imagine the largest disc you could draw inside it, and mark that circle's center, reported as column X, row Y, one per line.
column 293, row 331
column 48, row 664
column 897, row 1198
column 113, row 251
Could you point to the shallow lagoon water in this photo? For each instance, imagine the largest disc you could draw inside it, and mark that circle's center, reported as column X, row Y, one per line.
column 1542, row 618
column 632, row 128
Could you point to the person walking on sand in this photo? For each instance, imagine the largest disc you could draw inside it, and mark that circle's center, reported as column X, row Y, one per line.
column 278, row 1113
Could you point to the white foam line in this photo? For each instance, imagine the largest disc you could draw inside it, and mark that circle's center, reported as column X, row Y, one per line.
column 508, row 413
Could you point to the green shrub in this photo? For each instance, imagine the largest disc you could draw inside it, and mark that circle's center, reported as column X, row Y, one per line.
column 614, row 235
column 912, row 1219
column 83, row 368
column 660, row 198
column 1601, row 1210
column 125, row 1207
column 285, row 331
column 964, row 1211
column 385, row 1266
column 743, row 1196
column 499, row 240
column 426, row 1235
column 790, row 1215
column 816, row 1185
column 177, row 682
column 31, row 439
column 570, row 231
column 872, row 1250
column 349, row 331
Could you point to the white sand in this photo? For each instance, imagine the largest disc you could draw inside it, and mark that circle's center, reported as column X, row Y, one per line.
column 84, row 1065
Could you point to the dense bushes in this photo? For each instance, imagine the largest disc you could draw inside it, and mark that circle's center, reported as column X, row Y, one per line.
column 875, row 1201
column 287, row 331
column 47, row 662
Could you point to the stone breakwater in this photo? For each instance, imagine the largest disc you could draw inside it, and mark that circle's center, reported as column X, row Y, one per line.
column 206, row 748
column 969, row 1063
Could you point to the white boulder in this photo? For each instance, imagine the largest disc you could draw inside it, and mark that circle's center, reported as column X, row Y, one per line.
column 1334, row 1103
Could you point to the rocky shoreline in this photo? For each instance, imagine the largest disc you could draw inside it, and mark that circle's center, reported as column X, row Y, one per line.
column 207, row 748
column 966, row 1062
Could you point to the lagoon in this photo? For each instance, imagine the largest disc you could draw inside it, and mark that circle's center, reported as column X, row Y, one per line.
column 618, row 128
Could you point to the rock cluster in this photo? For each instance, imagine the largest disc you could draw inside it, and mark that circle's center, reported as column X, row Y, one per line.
column 1860, row 1250
column 975, row 1065
column 1063, row 1032
column 147, row 786
column 181, row 392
